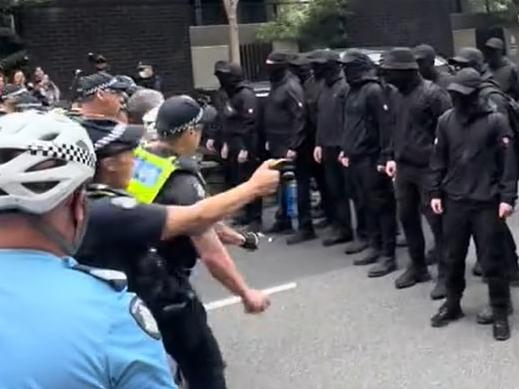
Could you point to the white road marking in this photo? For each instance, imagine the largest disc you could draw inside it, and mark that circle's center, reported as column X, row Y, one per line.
column 236, row 300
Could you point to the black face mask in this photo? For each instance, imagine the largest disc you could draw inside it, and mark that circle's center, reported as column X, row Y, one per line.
column 302, row 72
column 276, row 72
column 355, row 73
column 228, row 81
column 401, row 79
column 465, row 104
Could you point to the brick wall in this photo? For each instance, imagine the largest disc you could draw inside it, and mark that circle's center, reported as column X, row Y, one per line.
column 401, row 23
column 59, row 36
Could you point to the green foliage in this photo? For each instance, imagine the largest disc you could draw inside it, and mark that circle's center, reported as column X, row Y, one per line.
column 315, row 23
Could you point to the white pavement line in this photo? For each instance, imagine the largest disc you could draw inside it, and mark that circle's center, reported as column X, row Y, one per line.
column 236, row 300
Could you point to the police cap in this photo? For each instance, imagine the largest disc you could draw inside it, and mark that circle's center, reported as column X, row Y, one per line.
column 111, row 137
column 179, row 113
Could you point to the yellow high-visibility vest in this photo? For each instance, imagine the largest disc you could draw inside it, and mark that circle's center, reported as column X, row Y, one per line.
column 150, row 174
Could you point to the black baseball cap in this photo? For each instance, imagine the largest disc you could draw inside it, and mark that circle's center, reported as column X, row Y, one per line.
column 468, row 56
column 495, row 43
column 143, row 63
column 225, row 67
column 111, row 137
column 424, row 51
column 178, row 113
column 466, row 82
column 399, row 58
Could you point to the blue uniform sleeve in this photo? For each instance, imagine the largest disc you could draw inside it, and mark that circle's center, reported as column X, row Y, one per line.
column 136, row 356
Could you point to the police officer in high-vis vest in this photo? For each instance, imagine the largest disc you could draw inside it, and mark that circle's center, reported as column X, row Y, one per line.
column 63, row 325
column 166, row 173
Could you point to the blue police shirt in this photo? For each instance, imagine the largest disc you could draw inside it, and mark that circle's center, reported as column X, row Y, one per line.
column 63, row 328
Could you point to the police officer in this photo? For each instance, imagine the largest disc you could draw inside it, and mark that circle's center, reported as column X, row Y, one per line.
column 284, row 122
column 418, row 106
column 474, row 187
column 366, row 116
column 328, row 143
column 188, row 337
column 239, row 118
column 100, row 95
column 112, row 340
column 502, row 69
column 426, row 58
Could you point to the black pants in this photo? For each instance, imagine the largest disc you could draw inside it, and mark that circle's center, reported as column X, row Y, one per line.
column 191, row 343
column 413, row 201
column 376, row 196
column 303, row 167
column 318, row 175
column 339, row 189
column 238, row 173
column 461, row 220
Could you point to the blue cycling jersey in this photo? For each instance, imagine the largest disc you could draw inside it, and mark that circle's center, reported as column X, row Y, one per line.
column 63, row 328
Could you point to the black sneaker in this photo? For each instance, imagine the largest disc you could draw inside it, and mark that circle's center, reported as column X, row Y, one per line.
column 412, row 276
column 448, row 312
column 369, row 258
column 501, row 328
column 385, row 266
column 486, row 316
column 356, row 247
column 301, row 236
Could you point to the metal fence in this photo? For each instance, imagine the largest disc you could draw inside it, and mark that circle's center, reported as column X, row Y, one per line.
column 253, row 57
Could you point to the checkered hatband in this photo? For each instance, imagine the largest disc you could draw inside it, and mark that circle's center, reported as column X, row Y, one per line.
column 67, row 152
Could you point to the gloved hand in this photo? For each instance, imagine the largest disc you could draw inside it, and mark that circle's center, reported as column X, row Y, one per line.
column 251, row 242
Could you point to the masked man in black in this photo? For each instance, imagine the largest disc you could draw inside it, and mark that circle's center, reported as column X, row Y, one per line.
column 239, row 119
column 503, row 70
column 474, row 187
column 284, row 123
column 417, row 108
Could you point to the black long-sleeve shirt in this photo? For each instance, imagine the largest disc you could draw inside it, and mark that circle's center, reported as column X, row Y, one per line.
column 330, row 113
column 239, row 117
column 417, row 116
column 366, row 116
column 284, row 116
column 474, row 159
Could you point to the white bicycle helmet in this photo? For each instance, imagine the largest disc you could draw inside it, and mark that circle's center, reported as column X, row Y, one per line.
column 44, row 158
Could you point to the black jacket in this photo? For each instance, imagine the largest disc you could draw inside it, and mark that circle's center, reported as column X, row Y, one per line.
column 154, row 82
column 330, row 113
column 507, row 77
column 366, row 115
column 473, row 159
column 239, row 118
column 284, row 116
column 416, row 120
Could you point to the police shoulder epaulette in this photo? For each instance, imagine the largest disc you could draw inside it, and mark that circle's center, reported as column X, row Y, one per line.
column 116, row 279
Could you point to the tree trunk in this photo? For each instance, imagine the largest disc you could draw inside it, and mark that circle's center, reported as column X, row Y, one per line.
column 231, row 9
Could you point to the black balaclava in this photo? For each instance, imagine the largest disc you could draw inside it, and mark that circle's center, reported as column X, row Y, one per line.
column 229, row 75
column 329, row 71
column 276, row 71
column 303, row 72
column 466, row 105
column 404, row 80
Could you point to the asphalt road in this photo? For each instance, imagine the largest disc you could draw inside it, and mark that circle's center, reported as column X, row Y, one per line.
column 340, row 330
